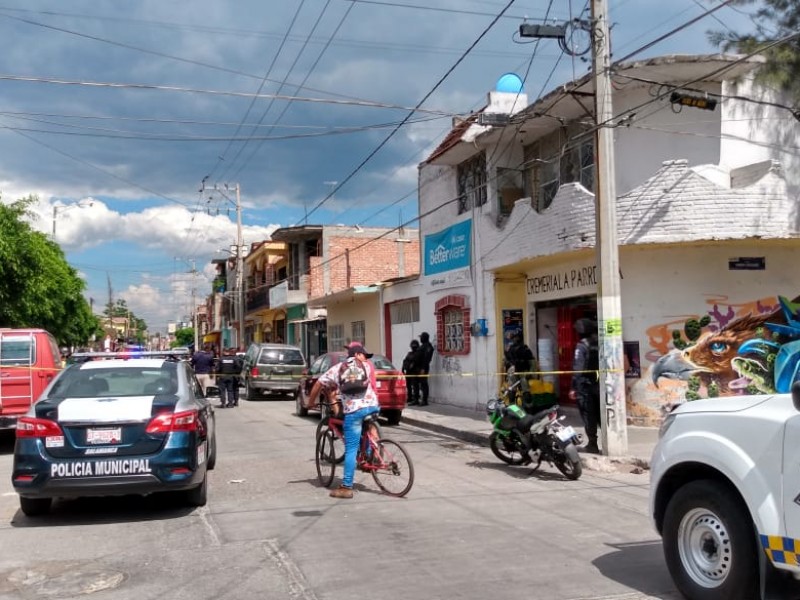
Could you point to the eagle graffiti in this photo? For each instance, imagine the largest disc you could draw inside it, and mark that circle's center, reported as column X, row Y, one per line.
column 752, row 355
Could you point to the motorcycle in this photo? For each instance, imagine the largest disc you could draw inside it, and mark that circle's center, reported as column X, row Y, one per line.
column 519, row 438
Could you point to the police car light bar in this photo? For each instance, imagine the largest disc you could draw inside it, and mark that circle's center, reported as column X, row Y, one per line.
column 173, row 354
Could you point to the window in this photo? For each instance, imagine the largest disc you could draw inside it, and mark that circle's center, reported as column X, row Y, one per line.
column 453, row 331
column 472, row 183
column 558, row 158
column 358, row 331
column 405, row 311
column 452, row 325
column 336, row 336
column 509, row 189
column 19, row 350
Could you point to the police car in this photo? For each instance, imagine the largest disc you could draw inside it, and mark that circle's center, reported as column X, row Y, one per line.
column 725, row 496
column 116, row 424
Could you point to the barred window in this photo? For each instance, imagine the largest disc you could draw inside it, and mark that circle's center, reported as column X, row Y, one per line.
column 405, row 311
column 453, row 330
column 472, row 183
column 336, row 336
column 358, row 331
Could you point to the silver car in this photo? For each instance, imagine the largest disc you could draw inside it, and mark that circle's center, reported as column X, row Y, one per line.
column 272, row 369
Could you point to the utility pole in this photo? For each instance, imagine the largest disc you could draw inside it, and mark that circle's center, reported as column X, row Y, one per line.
column 614, row 434
column 194, row 309
column 240, row 297
column 240, row 266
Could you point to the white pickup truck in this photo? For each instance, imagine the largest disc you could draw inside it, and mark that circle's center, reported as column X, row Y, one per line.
column 725, row 496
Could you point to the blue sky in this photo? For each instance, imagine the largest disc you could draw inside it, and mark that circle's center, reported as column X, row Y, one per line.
column 125, row 162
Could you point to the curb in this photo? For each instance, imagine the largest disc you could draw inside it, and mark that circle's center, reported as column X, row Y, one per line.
column 466, row 436
column 592, row 462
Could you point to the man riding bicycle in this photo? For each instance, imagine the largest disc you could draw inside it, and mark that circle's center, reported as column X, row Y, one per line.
column 355, row 381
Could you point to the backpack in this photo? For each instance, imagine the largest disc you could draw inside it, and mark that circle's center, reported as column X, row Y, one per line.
column 353, row 377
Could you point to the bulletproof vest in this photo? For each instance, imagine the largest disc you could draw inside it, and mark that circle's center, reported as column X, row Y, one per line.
column 230, row 365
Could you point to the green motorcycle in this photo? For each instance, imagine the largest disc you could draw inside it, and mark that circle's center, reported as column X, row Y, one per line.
column 520, row 438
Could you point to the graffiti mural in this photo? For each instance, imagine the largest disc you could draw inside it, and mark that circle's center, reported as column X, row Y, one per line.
column 733, row 350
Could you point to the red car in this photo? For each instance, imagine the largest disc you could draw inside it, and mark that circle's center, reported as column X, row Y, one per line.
column 392, row 393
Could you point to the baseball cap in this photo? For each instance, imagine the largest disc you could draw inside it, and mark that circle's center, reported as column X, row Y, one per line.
column 354, row 348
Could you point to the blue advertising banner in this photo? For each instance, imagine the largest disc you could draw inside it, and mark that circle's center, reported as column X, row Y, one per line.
column 448, row 249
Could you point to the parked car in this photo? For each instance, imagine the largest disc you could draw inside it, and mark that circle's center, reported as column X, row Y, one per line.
column 112, row 424
column 29, row 360
column 724, row 485
column 392, row 393
column 272, row 369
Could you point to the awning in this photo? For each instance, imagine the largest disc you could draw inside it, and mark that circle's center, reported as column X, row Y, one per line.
column 211, row 337
column 298, row 321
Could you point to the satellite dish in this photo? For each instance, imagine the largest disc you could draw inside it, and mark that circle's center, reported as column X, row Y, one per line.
column 510, row 82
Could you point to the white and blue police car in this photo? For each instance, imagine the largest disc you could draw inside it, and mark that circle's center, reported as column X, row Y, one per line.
column 115, row 424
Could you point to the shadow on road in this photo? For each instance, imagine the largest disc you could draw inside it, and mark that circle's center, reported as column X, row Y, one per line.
column 112, row 509
column 520, row 472
column 639, row 566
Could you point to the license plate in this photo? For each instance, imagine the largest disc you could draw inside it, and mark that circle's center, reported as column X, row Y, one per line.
column 104, row 436
column 566, row 434
column 274, row 376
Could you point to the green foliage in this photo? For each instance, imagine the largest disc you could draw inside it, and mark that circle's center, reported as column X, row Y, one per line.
column 713, row 389
column 38, row 288
column 773, row 20
column 184, row 337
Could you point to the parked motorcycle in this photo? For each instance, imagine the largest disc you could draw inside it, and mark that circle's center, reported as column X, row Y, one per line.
column 520, row 438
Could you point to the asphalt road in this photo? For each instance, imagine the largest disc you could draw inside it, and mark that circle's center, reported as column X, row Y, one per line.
column 471, row 528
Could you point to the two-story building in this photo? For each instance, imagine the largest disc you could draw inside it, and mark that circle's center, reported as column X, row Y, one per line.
column 342, row 271
column 707, row 223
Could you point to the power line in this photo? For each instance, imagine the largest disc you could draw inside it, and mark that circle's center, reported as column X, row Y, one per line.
column 171, row 88
column 419, row 104
column 308, row 74
column 444, row 10
column 260, row 86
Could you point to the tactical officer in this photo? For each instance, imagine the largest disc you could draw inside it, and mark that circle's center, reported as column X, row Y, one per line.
column 585, row 384
column 229, row 368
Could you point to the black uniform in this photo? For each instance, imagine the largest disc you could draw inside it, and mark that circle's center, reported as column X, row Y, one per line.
column 426, row 350
column 229, row 367
column 586, row 385
column 412, row 365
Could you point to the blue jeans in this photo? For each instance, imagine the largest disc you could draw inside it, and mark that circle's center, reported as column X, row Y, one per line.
column 352, row 439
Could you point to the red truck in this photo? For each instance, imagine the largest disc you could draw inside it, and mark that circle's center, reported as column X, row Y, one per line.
column 29, row 360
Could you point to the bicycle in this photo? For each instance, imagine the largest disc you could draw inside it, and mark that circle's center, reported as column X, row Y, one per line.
column 387, row 460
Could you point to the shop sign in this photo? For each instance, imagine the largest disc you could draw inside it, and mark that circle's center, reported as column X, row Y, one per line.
column 561, row 282
column 448, row 249
column 451, row 279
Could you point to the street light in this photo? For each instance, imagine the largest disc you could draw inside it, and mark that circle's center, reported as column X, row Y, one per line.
column 63, row 207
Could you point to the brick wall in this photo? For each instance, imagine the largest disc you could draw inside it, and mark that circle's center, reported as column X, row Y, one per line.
column 349, row 261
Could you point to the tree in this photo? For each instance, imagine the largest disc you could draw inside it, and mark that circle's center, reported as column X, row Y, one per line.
column 184, row 337
column 38, row 288
column 773, row 21
column 136, row 327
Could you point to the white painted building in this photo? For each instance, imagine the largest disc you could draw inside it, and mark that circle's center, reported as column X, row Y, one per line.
column 707, row 225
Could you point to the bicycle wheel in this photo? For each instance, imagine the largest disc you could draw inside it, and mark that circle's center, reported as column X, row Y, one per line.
column 326, row 457
column 338, row 443
column 393, row 470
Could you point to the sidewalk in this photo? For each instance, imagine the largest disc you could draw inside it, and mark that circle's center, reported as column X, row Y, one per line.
column 472, row 426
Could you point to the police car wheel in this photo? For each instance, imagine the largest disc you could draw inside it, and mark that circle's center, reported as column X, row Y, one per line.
column 33, row 507
column 198, row 496
column 709, row 543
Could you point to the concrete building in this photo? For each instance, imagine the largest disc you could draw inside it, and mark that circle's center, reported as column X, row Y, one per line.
column 342, row 272
column 707, row 225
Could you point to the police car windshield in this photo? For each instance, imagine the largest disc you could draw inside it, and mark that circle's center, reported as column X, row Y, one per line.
column 116, row 382
column 283, row 356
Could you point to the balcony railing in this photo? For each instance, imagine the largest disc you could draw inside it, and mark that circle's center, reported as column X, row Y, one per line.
column 256, row 299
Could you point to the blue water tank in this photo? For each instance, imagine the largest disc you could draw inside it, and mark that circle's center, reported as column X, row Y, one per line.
column 510, row 82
